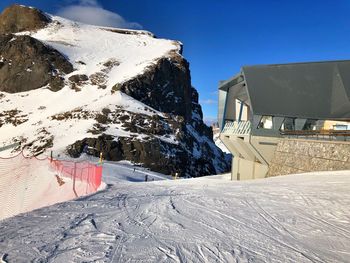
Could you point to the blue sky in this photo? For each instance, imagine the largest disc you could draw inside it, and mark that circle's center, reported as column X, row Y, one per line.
column 220, row 36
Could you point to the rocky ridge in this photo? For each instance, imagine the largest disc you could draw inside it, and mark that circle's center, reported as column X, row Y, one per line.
column 149, row 115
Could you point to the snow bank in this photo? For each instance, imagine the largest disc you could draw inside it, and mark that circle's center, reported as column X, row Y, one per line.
column 220, row 144
column 30, row 183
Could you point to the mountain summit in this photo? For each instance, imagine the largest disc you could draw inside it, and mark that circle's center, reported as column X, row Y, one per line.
column 66, row 86
column 18, row 18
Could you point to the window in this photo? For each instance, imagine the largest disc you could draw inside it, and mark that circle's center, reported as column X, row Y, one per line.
column 288, row 124
column 310, row 125
column 265, row 123
column 242, row 110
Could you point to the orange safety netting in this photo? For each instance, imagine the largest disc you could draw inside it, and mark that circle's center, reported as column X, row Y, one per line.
column 28, row 183
column 85, row 172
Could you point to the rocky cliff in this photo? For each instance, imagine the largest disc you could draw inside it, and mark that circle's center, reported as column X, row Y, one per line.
column 74, row 88
column 27, row 64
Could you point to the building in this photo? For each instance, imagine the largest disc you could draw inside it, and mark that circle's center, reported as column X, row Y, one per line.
column 264, row 104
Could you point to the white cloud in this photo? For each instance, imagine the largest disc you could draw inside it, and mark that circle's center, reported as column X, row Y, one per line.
column 90, row 12
column 208, row 101
column 89, row 2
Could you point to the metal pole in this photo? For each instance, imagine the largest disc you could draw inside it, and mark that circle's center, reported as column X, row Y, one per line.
column 74, row 175
column 101, row 156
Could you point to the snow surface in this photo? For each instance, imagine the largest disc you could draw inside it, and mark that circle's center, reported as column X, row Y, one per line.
column 220, row 144
column 128, row 172
column 295, row 218
column 28, row 184
column 38, row 189
column 88, row 48
column 96, row 45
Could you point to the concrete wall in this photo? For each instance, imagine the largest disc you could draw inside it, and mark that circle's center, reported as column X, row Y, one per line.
column 252, row 154
column 299, row 156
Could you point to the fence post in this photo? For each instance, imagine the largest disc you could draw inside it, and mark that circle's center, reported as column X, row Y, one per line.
column 74, row 175
column 101, row 155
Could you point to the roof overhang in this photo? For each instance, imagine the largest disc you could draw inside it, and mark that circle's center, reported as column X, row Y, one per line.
column 226, row 85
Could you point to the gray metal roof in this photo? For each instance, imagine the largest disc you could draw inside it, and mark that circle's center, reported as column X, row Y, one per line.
column 315, row 90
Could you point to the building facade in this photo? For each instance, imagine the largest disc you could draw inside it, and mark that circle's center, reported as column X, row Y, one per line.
column 264, row 104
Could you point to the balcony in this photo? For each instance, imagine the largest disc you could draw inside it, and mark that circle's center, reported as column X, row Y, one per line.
column 237, row 128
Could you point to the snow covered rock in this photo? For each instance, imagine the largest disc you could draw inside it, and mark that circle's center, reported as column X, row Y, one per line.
column 121, row 92
column 28, row 64
column 164, row 86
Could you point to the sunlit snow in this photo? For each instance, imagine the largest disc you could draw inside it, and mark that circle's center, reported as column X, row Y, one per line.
column 295, row 218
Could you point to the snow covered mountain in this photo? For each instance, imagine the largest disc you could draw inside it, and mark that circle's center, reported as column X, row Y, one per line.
column 66, row 85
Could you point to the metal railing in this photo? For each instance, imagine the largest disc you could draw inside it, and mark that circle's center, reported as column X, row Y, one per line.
column 342, row 135
column 237, row 128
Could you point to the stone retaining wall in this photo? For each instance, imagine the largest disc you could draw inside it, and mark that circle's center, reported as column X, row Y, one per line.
column 300, row 156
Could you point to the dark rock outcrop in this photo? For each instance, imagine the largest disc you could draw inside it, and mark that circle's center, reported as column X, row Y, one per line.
column 17, row 18
column 78, row 79
column 166, row 87
column 27, row 64
column 155, row 154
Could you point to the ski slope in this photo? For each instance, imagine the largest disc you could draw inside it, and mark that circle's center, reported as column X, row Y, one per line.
column 296, row 218
column 128, row 172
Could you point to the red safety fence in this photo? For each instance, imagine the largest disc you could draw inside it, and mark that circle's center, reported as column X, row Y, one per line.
column 86, row 172
column 28, row 183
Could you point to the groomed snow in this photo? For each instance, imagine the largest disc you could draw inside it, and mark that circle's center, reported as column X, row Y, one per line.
column 296, row 218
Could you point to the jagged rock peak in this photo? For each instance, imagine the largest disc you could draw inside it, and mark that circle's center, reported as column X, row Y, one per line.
column 18, row 18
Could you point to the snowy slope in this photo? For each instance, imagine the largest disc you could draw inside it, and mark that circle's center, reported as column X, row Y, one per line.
column 117, row 56
column 96, row 45
column 23, row 192
column 296, row 218
column 128, row 172
column 220, row 144
column 129, row 96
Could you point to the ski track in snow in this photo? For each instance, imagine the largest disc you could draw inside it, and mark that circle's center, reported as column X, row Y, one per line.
column 296, row 218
